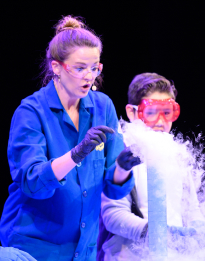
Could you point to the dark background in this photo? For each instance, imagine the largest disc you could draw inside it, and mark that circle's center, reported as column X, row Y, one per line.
column 166, row 37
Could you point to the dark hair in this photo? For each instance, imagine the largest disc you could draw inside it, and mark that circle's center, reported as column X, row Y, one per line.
column 145, row 84
column 71, row 32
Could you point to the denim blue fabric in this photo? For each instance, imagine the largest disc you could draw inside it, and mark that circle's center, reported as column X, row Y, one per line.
column 51, row 219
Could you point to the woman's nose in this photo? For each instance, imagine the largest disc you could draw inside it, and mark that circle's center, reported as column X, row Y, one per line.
column 88, row 75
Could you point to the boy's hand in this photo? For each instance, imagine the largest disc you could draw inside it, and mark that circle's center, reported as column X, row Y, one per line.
column 182, row 231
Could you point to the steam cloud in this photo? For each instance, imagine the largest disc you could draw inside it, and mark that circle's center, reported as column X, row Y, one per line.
column 176, row 161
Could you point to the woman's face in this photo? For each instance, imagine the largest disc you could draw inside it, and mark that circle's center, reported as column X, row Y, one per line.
column 80, row 59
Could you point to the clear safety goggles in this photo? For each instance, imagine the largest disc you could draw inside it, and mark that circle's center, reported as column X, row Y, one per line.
column 81, row 72
column 150, row 110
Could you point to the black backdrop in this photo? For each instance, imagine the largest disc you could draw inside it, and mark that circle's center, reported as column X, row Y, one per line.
column 166, row 37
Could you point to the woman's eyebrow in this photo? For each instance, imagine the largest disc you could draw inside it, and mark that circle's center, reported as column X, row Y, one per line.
column 81, row 63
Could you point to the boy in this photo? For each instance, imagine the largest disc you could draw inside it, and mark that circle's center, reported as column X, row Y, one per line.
column 151, row 98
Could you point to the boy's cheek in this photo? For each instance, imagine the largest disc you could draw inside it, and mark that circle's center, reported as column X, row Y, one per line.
column 169, row 126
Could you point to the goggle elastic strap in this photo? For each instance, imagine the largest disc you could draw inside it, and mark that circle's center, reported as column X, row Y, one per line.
column 135, row 107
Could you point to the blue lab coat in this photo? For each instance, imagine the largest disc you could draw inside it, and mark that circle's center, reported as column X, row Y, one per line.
column 51, row 219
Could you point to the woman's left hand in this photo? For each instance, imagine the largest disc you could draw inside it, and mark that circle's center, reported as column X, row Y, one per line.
column 126, row 160
column 124, row 163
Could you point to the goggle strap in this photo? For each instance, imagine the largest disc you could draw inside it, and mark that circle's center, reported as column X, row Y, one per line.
column 135, row 107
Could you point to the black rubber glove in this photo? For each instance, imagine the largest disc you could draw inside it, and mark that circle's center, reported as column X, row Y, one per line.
column 94, row 137
column 126, row 160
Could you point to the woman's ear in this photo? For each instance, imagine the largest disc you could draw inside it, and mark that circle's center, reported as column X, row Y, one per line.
column 131, row 112
column 56, row 67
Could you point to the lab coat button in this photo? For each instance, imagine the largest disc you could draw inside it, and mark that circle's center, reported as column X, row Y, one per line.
column 76, row 254
column 85, row 193
column 83, row 224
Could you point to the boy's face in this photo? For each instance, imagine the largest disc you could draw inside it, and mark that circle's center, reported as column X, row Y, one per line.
column 161, row 124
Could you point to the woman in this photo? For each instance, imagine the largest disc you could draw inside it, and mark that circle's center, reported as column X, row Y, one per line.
column 62, row 150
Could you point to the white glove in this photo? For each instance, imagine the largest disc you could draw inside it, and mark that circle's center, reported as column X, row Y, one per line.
column 14, row 254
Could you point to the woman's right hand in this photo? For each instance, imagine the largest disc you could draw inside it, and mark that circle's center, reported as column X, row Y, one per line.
column 94, row 137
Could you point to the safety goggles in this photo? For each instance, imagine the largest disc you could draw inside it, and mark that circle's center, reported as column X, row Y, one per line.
column 81, row 72
column 150, row 110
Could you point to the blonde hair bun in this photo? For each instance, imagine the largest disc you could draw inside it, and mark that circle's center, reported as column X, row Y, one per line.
column 68, row 22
